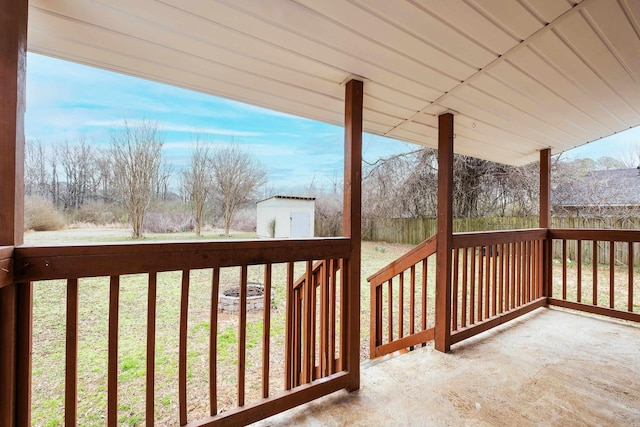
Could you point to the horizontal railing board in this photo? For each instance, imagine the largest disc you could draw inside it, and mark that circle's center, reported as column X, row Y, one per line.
column 594, row 309
column 405, row 342
column 465, row 333
column 599, row 235
column 6, row 265
column 415, row 255
column 75, row 261
column 487, row 238
column 274, row 405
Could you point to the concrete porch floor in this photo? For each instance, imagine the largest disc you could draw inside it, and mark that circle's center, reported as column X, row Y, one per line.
column 550, row 367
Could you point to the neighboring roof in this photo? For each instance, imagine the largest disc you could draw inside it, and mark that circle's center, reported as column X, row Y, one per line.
column 522, row 75
column 610, row 188
column 287, row 198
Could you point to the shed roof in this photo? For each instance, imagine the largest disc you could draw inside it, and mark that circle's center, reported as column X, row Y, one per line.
column 521, row 75
column 311, row 199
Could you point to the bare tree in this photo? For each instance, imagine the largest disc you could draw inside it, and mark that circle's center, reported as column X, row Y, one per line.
column 78, row 163
column 136, row 155
column 235, row 177
column 197, row 182
column 35, row 169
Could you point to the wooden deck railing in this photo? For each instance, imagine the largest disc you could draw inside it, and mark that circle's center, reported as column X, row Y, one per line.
column 305, row 364
column 497, row 276
column 317, row 292
column 587, row 285
column 405, row 326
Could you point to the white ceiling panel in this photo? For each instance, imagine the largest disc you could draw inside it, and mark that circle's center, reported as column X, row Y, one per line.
column 520, row 75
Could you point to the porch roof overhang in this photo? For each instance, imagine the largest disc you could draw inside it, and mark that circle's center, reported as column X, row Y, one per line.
column 521, row 76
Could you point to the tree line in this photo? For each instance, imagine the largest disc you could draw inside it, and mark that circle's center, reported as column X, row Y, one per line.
column 132, row 172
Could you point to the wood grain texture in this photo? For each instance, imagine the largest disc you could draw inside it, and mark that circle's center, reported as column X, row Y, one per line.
column 445, row 232
column 112, row 370
column 13, row 69
column 71, row 357
column 352, row 222
column 67, row 261
column 15, row 404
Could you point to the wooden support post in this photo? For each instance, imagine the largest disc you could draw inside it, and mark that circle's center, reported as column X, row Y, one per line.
column 351, row 225
column 545, row 218
column 445, row 233
column 15, row 299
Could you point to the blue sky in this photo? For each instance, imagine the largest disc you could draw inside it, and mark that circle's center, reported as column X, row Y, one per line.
column 67, row 101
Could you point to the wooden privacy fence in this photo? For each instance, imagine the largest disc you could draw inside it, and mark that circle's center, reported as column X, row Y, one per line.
column 586, row 284
column 412, row 231
column 314, row 347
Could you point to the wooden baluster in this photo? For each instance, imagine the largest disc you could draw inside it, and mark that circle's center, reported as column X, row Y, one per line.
column 630, row 281
column 465, row 284
column 507, row 268
column 612, row 268
column 289, row 331
column 182, row 348
column 472, row 288
column 424, row 282
column 527, row 260
column 487, row 281
column 324, row 320
column 501, row 279
column 242, row 335
column 332, row 321
column 564, row 269
column 71, row 358
column 151, row 350
column 494, row 279
column 112, row 370
column 390, row 309
column 307, row 338
column 213, row 343
column 480, row 282
column 266, row 330
column 595, row 273
column 513, row 276
column 579, row 273
column 412, row 299
column 454, row 290
column 401, row 306
column 344, row 292
column 518, row 249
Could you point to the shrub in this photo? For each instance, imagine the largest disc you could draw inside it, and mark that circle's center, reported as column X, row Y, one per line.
column 41, row 215
column 168, row 218
column 95, row 213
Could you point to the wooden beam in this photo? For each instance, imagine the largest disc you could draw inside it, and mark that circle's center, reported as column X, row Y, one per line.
column 15, row 402
column 445, row 233
column 352, row 223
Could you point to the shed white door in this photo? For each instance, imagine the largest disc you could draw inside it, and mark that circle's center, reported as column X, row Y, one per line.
column 300, row 224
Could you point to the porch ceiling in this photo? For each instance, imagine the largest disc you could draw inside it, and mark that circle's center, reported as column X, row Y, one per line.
column 521, row 75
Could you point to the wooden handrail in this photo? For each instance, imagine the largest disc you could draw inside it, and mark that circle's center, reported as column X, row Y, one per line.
column 415, row 255
column 6, row 265
column 591, row 234
column 487, row 238
column 73, row 261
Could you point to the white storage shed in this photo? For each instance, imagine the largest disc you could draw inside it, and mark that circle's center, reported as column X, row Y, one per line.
column 286, row 217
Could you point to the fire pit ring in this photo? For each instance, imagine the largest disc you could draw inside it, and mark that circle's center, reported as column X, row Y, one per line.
column 229, row 299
